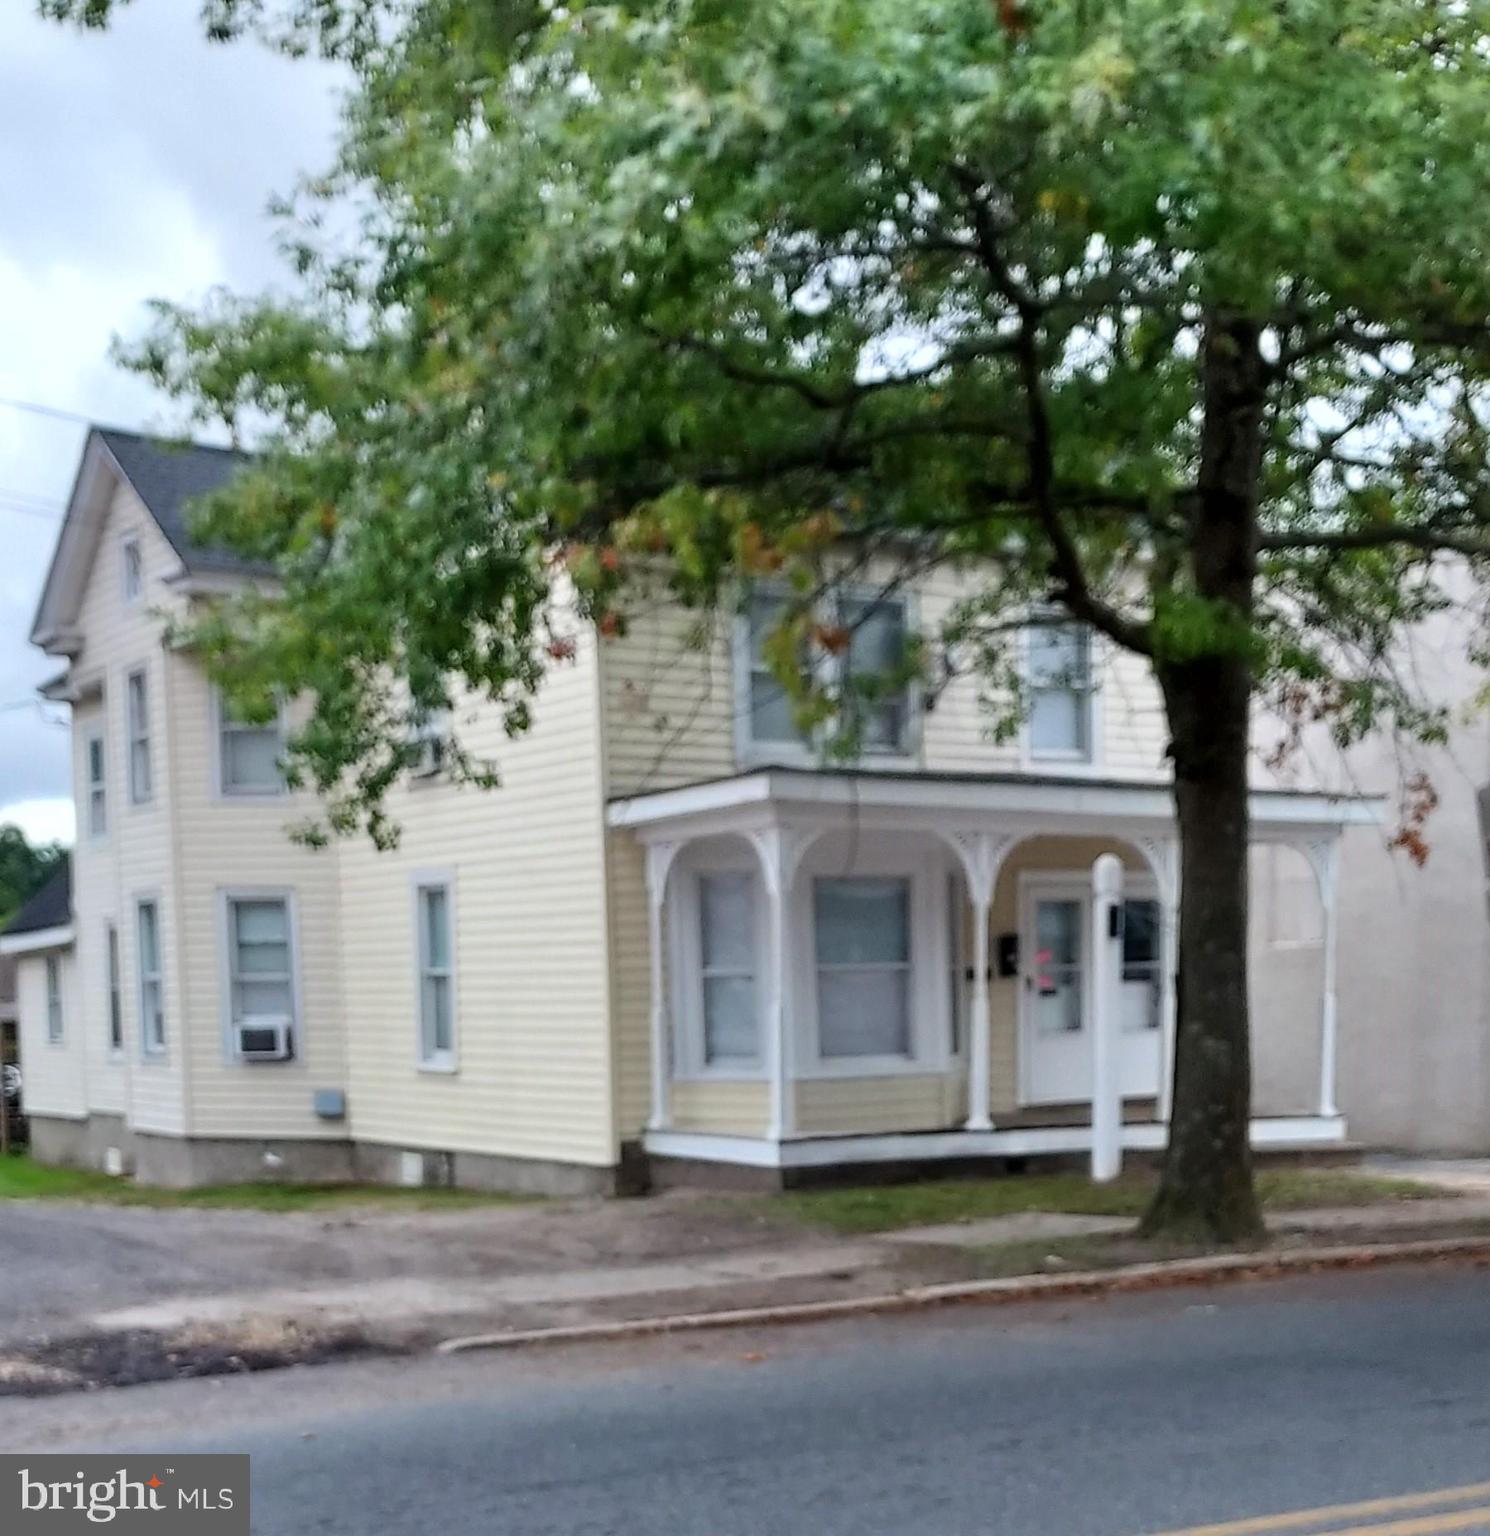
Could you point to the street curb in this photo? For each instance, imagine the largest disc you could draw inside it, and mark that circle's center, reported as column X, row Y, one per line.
column 1212, row 1269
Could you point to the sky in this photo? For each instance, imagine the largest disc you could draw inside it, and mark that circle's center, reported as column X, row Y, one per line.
column 134, row 164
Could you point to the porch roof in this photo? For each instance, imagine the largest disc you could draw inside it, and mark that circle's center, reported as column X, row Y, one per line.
column 1015, row 799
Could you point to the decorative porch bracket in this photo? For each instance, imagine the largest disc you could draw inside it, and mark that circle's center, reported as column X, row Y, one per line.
column 1323, row 854
column 1162, row 855
column 981, row 855
column 660, row 858
column 780, row 850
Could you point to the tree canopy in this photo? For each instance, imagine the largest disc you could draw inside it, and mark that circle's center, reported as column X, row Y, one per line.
column 23, row 869
column 1171, row 315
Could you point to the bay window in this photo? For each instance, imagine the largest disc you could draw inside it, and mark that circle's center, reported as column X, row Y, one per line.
column 862, row 931
column 727, row 968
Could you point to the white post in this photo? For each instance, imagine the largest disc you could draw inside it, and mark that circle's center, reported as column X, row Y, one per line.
column 981, row 855
column 659, row 860
column 779, row 849
column 1106, row 980
column 1324, row 857
column 980, row 1029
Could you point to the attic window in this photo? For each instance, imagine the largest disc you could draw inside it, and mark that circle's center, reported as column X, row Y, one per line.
column 134, row 571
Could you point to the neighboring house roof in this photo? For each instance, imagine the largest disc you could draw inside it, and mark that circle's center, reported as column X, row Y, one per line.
column 48, row 907
column 167, row 477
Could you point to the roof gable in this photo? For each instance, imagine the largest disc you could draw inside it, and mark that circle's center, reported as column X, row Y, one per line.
column 166, row 477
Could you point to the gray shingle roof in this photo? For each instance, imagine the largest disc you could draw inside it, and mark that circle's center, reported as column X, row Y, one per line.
column 167, row 476
column 49, row 907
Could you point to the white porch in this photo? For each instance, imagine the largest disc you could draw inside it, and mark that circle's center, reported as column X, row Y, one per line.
column 859, row 968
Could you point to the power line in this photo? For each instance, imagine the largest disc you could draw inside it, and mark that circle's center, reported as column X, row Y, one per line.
column 37, row 409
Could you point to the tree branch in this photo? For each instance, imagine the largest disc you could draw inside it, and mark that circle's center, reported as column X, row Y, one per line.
column 1074, row 591
column 1446, row 541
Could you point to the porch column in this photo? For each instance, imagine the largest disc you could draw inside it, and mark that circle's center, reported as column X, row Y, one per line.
column 1163, row 856
column 981, row 854
column 1107, row 982
column 1323, row 855
column 660, row 858
column 780, row 850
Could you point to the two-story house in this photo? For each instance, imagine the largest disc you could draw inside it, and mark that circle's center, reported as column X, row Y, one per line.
column 673, row 934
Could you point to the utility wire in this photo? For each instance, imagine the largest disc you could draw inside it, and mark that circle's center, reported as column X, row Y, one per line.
column 45, row 410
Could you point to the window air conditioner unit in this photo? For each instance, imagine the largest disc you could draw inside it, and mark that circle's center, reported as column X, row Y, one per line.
column 263, row 1039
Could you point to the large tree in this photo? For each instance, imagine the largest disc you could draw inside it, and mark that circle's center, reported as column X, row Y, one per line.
column 24, row 867
column 1172, row 316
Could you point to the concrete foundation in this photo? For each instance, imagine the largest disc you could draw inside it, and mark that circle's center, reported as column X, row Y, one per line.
column 378, row 1163
column 180, row 1162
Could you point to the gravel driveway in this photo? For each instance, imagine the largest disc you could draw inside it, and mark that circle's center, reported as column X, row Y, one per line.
column 61, row 1262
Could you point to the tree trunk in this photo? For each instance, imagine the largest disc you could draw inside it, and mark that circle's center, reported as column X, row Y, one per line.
column 1206, row 1188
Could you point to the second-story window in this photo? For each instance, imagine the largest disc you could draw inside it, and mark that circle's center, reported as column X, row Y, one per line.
column 134, row 571
column 98, row 795
column 1059, row 678
column 874, row 660
column 771, row 707
column 248, row 753
column 429, row 738
column 137, row 705
column 867, row 671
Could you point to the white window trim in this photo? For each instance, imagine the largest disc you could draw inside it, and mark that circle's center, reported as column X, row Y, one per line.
column 1089, row 763
column 441, row 1063
column 690, row 1057
column 113, row 960
column 1075, row 885
column 131, row 542
column 226, row 896
column 56, row 1003
column 151, row 1054
column 136, row 800
column 929, row 1002
column 91, row 787
column 220, row 790
column 750, row 753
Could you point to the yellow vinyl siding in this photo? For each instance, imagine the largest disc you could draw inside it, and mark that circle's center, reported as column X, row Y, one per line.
column 527, row 864
column 53, row 1073
column 722, row 1108
column 878, row 1105
column 137, row 856
column 630, row 961
column 668, row 693
column 242, row 844
column 669, row 686
column 95, row 901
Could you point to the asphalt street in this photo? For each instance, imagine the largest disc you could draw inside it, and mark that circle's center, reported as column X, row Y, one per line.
column 1142, row 1414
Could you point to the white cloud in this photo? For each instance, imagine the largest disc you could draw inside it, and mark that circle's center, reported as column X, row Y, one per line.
column 43, row 821
column 137, row 163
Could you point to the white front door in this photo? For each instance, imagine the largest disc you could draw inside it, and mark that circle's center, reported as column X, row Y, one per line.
column 1055, row 994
